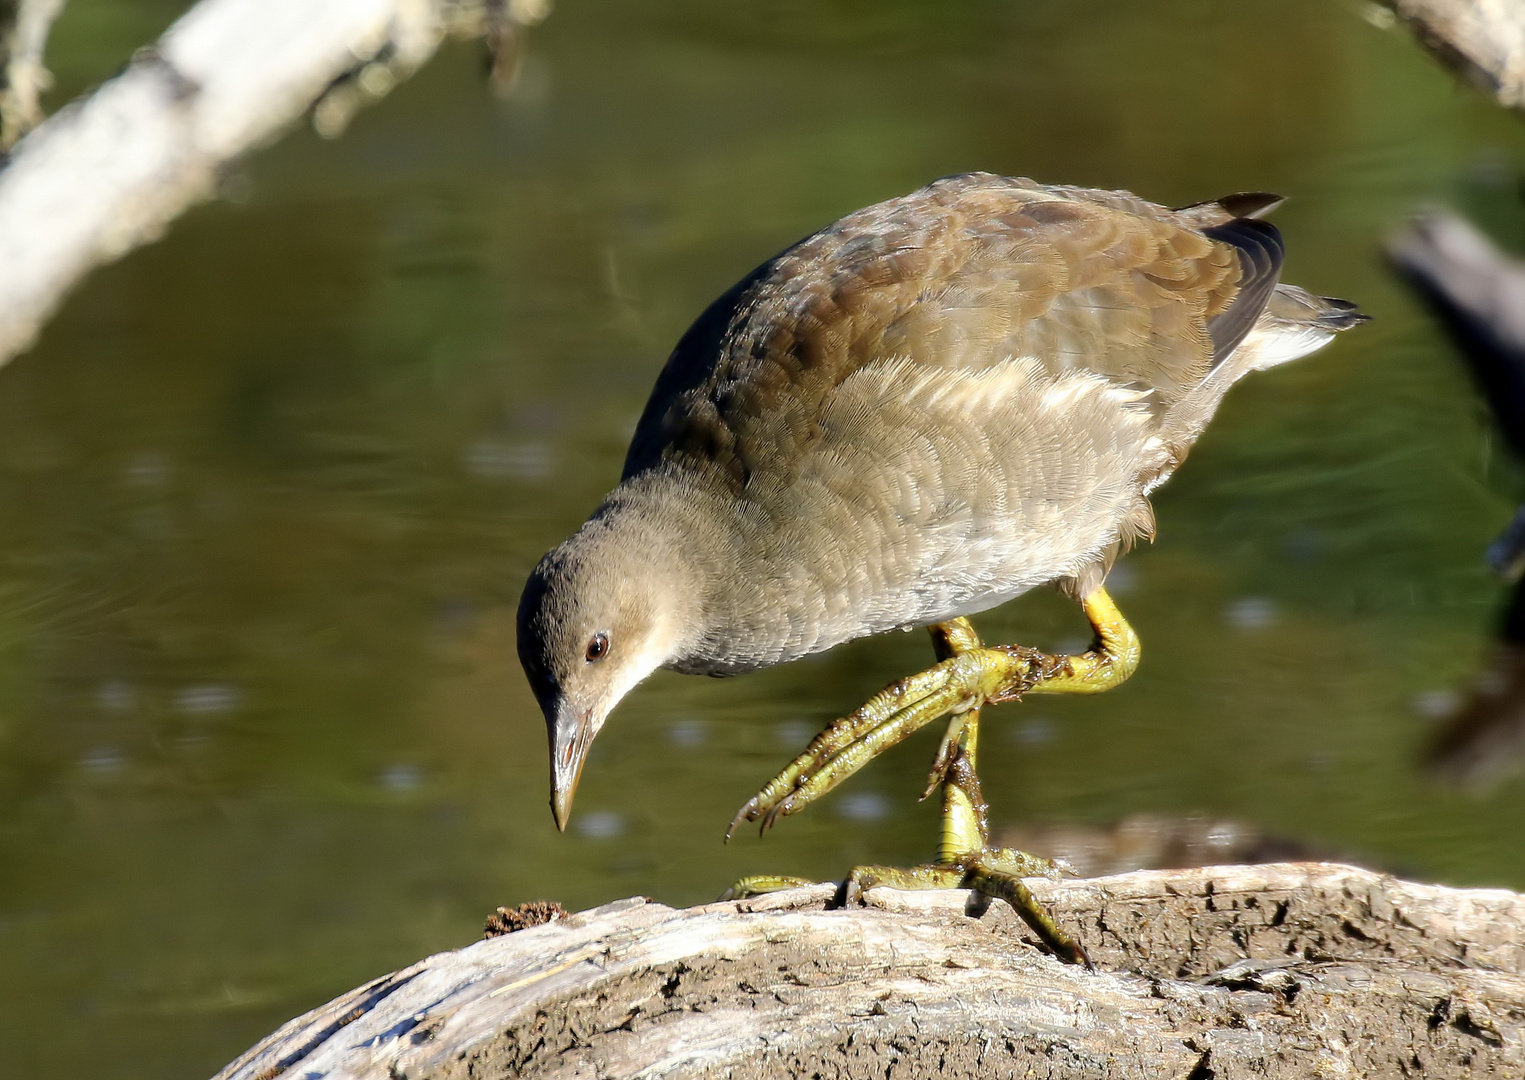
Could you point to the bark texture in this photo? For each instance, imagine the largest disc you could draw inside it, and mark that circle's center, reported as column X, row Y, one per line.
column 1281, row 970
column 1484, row 40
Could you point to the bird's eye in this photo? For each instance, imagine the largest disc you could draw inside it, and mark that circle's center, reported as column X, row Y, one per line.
column 598, row 647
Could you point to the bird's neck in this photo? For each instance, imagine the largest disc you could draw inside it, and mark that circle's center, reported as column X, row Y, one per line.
column 646, row 527
column 741, row 604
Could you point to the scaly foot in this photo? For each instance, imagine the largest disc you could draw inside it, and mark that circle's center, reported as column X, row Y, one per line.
column 973, row 676
column 762, row 884
column 969, row 676
column 993, row 872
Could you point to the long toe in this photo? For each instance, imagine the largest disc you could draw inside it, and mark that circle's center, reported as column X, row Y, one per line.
column 761, row 884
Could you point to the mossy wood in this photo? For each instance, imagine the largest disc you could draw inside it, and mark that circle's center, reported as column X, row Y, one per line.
column 1281, row 970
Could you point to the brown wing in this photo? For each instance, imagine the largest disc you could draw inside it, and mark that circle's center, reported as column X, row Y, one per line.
column 964, row 273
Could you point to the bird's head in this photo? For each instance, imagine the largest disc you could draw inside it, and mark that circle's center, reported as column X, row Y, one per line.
column 599, row 614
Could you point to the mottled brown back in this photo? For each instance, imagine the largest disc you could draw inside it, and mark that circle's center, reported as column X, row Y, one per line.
column 965, row 273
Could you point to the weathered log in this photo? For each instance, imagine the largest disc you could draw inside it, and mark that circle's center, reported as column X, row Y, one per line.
column 1281, row 970
column 1483, row 40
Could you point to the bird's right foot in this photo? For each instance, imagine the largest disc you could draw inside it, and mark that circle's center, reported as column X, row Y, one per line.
column 969, row 676
column 992, row 872
column 972, row 675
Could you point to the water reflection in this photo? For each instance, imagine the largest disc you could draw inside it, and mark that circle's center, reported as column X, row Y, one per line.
column 1480, row 740
column 863, row 806
column 1153, row 842
column 1250, row 613
column 1478, row 294
column 272, row 486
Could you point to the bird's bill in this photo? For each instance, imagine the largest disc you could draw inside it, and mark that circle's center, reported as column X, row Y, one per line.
column 571, row 734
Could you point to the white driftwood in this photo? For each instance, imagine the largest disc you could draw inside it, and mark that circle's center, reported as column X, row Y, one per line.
column 111, row 172
column 24, row 77
column 1482, row 39
column 1282, row 970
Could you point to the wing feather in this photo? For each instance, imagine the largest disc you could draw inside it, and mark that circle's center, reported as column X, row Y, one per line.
column 963, row 274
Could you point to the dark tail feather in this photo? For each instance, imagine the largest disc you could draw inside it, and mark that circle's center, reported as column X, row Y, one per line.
column 1340, row 314
column 1260, row 256
column 1242, row 204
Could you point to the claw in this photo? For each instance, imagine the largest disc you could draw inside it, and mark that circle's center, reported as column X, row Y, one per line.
column 992, row 874
column 850, row 742
column 776, row 811
column 744, row 814
column 945, row 752
column 852, row 890
column 968, row 677
column 1076, row 954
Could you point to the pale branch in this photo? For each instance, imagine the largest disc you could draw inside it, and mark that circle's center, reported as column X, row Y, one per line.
column 1484, row 40
column 109, row 173
column 1281, row 970
column 23, row 78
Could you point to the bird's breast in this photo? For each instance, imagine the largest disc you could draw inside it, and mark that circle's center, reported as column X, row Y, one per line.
column 924, row 493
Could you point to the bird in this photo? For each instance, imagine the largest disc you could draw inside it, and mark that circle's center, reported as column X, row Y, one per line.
column 921, row 411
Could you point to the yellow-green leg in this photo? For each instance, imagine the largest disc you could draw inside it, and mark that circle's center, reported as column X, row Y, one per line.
column 968, row 676
column 957, row 686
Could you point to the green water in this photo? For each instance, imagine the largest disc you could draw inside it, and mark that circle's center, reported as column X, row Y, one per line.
column 272, row 485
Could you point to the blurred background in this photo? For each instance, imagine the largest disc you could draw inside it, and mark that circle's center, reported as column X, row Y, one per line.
column 270, row 487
